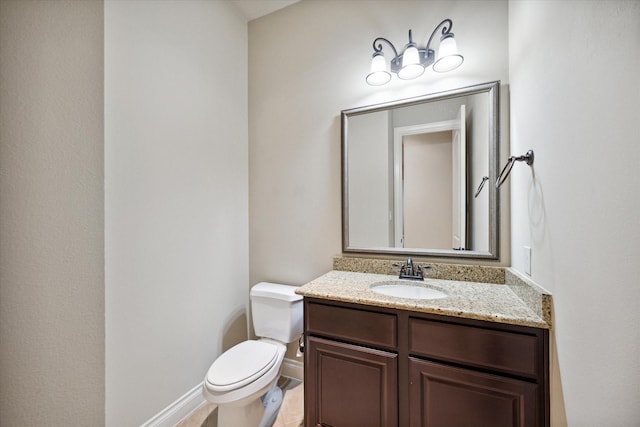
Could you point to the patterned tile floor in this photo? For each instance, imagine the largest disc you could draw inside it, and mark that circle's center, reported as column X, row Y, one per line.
column 291, row 412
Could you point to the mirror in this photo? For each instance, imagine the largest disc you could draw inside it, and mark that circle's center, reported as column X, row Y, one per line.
column 414, row 174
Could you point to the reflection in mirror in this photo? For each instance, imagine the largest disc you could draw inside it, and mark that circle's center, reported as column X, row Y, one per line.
column 411, row 169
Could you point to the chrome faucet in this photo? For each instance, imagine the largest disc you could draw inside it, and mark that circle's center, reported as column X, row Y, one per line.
column 407, row 271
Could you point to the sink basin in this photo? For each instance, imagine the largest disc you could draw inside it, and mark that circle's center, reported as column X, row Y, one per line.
column 403, row 289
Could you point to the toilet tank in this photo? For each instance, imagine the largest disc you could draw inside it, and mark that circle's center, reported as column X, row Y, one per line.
column 276, row 311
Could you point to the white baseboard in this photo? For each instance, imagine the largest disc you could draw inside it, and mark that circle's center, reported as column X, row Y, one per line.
column 193, row 399
column 174, row 413
column 293, row 368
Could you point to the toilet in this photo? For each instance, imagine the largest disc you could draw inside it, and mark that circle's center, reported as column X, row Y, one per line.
column 242, row 380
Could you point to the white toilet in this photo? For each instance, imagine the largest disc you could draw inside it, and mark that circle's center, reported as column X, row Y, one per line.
column 240, row 376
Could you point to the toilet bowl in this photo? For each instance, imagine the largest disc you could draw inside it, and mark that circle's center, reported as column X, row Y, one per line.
column 244, row 372
column 239, row 378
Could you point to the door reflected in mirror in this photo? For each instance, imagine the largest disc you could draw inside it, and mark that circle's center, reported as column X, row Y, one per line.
column 410, row 171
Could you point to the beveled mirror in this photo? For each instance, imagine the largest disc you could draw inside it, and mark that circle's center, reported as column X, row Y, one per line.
column 418, row 175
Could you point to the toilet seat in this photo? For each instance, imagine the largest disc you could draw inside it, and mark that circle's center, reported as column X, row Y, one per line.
column 241, row 365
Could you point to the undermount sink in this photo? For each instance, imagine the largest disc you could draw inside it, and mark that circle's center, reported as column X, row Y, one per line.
column 403, row 289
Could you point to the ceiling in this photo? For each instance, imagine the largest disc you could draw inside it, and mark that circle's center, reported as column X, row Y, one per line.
column 253, row 9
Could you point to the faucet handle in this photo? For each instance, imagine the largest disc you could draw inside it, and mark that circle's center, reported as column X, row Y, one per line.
column 401, row 266
column 422, row 268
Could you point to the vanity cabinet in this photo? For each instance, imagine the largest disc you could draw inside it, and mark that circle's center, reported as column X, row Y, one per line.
column 353, row 376
column 372, row 366
column 344, row 371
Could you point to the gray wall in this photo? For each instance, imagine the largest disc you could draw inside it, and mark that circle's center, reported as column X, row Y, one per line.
column 116, row 119
column 176, row 220
column 295, row 104
column 577, row 208
column 52, row 356
column 369, row 166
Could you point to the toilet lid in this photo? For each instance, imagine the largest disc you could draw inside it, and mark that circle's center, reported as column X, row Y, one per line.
column 241, row 364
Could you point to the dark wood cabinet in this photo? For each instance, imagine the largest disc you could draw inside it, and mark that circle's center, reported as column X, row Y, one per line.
column 445, row 396
column 351, row 385
column 374, row 366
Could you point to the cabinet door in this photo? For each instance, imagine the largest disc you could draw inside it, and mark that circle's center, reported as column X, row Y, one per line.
column 441, row 395
column 349, row 386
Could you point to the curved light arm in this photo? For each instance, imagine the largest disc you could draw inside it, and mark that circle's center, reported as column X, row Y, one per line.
column 378, row 48
column 445, row 30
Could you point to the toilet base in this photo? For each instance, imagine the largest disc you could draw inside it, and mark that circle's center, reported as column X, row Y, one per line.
column 272, row 400
column 241, row 416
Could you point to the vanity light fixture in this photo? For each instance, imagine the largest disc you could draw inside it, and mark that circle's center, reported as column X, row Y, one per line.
column 412, row 62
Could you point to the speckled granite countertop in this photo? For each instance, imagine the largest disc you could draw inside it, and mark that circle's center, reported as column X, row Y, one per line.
column 473, row 300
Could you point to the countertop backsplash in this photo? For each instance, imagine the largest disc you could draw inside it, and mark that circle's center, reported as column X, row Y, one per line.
column 458, row 272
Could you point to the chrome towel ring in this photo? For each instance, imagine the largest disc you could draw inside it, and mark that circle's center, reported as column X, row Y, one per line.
column 507, row 168
column 481, row 186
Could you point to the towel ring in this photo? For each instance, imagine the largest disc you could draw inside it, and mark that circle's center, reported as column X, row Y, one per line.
column 481, row 186
column 504, row 174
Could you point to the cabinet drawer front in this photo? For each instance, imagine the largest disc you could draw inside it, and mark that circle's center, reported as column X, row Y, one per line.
column 359, row 326
column 508, row 352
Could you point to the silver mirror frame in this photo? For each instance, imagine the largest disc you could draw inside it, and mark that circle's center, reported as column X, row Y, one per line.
column 493, row 90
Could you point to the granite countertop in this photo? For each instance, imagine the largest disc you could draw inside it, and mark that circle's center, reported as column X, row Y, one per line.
column 472, row 300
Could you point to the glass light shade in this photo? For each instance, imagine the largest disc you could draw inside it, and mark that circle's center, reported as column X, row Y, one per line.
column 411, row 67
column 379, row 74
column 410, row 56
column 447, row 57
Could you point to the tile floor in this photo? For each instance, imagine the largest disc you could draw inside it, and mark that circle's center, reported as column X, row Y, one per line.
column 291, row 412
